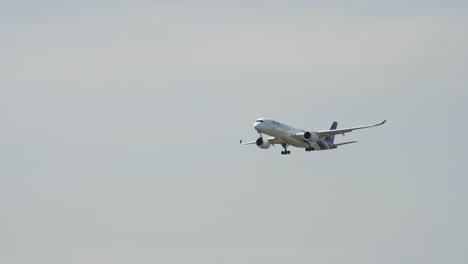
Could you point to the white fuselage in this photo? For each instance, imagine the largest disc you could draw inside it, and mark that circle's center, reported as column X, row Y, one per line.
column 280, row 131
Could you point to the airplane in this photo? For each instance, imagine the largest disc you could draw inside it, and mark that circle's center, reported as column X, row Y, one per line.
column 285, row 136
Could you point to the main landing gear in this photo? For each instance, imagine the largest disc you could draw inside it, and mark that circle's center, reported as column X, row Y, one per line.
column 310, row 148
column 286, row 151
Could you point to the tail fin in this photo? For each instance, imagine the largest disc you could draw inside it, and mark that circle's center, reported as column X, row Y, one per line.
column 333, row 127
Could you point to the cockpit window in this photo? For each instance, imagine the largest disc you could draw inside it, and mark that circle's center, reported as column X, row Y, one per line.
column 259, row 121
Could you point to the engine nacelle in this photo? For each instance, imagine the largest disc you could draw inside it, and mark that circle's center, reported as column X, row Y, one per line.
column 311, row 136
column 263, row 144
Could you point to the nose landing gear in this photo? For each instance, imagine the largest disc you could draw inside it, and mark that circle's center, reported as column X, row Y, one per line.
column 286, row 151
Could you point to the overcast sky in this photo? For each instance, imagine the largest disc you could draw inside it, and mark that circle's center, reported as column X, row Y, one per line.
column 120, row 122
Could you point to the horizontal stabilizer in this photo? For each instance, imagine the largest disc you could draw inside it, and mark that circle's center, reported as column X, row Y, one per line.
column 345, row 143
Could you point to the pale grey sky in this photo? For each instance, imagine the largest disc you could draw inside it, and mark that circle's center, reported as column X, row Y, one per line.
column 120, row 123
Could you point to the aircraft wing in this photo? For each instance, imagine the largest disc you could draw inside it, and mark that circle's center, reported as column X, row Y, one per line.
column 247, row 143
column 272, row 141
column 342, row 131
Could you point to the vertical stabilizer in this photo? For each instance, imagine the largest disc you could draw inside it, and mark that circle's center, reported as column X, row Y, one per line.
column 333, row 127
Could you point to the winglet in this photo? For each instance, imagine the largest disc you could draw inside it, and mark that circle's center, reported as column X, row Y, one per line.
column 240, row 142
column 382, row 122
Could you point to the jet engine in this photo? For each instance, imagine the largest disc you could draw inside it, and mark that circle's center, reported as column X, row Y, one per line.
column 263, row 144
column 311, row 136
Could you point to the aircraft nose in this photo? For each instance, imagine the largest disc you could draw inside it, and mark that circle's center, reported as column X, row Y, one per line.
column 257, row 126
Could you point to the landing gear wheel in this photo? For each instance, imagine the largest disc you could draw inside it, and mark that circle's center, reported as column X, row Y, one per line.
column 286, row 151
